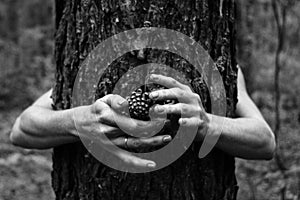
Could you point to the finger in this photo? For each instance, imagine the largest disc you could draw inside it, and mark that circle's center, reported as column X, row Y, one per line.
column 190, row 122
column 128, row 158
column 148, row 142
column 167, row 81
column 134, row 161
column 135, row 143
column 139, row 128
column 111, row 132
column 170, row 94
column 133, row 127
column 182, row 96
column 99, row 106
column 185, row 110
column 115, row 101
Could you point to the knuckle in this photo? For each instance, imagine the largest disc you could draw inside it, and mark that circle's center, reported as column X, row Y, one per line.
column 173, row 81
column 98, row 101
column 109, row 96
column 156, row 141
column 174, row 108
column 117, row 97
column 114, row 97
column 186, row 87
column 157, row 77
column 101, row 118
column 171, row 109
column 200, row 123
column 174, row 90
column 184, row 108
column 167, row 108
column 197, row 97
column 182, row 93
column 137, row 143
column 198, row 109
column 146, row 142
column 97, row 106
column 103, row 115
column 179, row 92
column 163, row 93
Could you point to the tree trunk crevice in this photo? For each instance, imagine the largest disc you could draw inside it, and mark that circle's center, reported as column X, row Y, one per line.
column 80, row 26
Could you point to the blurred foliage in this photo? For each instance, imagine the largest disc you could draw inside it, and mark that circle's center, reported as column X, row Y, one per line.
column 263, row 179
column 26, row 71
column 26, row 43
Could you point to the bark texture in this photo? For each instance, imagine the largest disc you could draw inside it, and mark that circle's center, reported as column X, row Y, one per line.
column 80, row 26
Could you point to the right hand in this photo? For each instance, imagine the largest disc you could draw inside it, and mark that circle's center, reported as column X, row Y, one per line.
column 101, row 118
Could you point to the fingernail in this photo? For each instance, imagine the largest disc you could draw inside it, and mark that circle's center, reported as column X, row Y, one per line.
column 182, row 121
column 153, row 77
column 167, row 139
column 122, row 102
column 152, row 165
column 154, row 95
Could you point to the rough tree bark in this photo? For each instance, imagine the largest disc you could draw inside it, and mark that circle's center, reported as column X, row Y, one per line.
column 80, row 26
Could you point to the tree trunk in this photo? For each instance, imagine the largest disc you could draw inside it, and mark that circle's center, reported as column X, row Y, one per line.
column 80, row 26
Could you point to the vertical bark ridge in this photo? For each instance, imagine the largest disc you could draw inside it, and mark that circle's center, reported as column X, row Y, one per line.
column 80, row 26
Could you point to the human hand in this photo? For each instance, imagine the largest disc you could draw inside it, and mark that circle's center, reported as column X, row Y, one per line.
column 101, row 118
column 190, row 107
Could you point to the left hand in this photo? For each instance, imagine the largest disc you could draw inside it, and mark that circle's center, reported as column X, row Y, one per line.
column 189, row 106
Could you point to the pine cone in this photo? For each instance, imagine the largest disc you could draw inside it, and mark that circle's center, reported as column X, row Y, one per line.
column 139, row 107
column 140, row 102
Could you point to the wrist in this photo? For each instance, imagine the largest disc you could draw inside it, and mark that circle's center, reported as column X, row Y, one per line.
column 216, row 124
column 70, row 126
column 211, row 126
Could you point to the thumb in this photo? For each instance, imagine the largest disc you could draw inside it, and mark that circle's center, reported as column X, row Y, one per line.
column 115, row 101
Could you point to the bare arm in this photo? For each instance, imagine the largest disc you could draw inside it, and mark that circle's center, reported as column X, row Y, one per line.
column 248, row 136
column 40, row 127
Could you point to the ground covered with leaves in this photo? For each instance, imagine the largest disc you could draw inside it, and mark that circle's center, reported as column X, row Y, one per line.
column 24, row 174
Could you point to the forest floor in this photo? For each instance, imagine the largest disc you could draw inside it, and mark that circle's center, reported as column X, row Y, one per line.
column 24, row 174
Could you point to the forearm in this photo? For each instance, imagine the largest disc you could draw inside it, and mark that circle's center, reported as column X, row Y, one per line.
column 247, row 138
column 42, row 128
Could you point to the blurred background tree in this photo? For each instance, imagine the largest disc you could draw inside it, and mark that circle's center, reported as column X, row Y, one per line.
column 26, row 41
column 26, row 71
column 268, row 51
